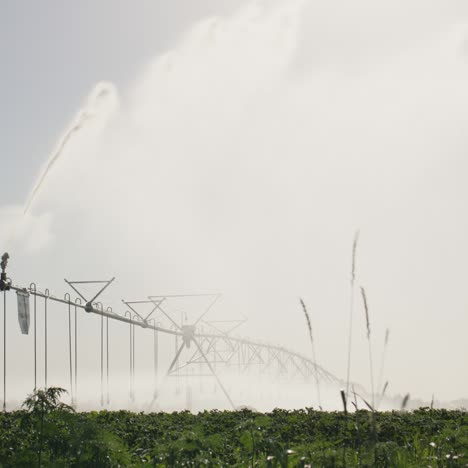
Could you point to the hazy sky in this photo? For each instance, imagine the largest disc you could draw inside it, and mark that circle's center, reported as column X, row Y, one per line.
column 52, row 53
column 240, row 148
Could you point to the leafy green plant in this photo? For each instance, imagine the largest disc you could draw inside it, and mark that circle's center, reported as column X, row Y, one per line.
column 281, row 438
column 41, row 403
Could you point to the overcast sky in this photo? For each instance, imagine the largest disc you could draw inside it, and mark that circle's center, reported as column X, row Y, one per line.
column 52, row 53
column 239, row 148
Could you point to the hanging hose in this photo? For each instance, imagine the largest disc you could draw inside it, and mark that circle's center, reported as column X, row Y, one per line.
column 200, row 367
column 67, row 298
column 176, row 347
column 155, row 355
column 130, row 353
column 46, row 293
column 155, row 338
column 109, row 309
column 77, row 301
column 102, row 358
column 133, row 357
column 131, row 363
column 32, row 287
column 4, row 351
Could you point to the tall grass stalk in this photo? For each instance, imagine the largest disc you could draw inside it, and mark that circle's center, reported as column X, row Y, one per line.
column 314, row 357
column 382, row 394
column 405, row 401
column 366, row 402
column 351, row 309
column 382, row 361
column 368, row 329
column 343, row 399
column 355, row 399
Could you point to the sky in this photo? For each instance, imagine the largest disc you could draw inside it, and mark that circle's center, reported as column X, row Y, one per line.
column 53, row 52
column 238, row 149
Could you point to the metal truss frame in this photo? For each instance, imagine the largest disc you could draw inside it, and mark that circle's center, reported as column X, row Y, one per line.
column 213, row 351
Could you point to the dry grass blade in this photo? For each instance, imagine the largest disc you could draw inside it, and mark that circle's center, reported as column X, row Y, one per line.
column 366, row 402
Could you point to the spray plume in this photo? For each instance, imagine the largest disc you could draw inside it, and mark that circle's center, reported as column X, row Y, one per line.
column 362, row 153
column 102, row 91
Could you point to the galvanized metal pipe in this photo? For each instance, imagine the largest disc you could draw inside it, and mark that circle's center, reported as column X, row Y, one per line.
column 93, row 310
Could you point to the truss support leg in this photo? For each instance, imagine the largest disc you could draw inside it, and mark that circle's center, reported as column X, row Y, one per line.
column 175, row 359
column 156, row 392
column 214, row 374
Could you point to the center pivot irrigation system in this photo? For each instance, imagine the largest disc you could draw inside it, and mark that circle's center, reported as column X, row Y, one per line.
column 211, row 345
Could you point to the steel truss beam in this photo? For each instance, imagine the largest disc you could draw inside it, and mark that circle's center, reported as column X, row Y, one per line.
column 215, row 350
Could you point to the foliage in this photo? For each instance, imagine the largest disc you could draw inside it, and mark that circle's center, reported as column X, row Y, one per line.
column 45, row 401
column 49, row 433
column 426, row 437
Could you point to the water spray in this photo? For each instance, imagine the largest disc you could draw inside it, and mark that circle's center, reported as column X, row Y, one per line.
column 102, row 92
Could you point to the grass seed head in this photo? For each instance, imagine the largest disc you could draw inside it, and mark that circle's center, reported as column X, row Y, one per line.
column 404, row 402
column 353, row 259
column 366, row 310
column 309, row 326
column 384, row 387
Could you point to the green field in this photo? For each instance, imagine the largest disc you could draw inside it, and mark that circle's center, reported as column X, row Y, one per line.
column 52, row 434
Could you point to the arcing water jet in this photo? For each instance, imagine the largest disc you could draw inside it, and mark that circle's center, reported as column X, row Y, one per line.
column 101, row 93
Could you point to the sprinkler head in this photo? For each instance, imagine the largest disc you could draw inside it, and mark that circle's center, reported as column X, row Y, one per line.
column 188, row 332
column 4, row 283
column 4, row 262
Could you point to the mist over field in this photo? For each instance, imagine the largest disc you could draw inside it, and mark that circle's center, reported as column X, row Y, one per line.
column 241, row 161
